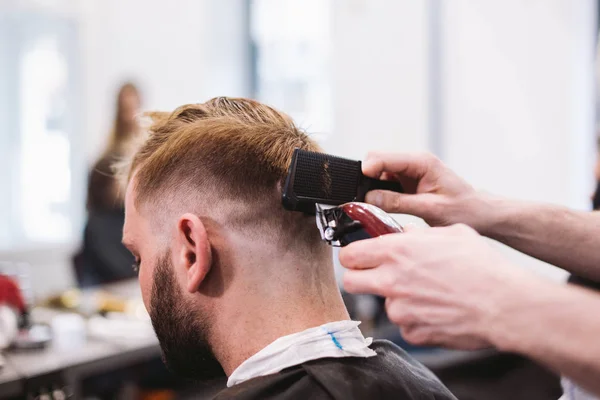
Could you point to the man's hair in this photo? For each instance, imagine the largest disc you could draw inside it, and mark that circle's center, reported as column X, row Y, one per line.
column 230, row 150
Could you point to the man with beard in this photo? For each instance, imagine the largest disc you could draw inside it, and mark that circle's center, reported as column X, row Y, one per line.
column 235, row 284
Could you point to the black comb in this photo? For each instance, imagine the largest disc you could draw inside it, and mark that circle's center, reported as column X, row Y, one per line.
column 325, row 179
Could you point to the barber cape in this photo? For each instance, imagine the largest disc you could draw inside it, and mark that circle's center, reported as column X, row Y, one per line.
column 332, row 361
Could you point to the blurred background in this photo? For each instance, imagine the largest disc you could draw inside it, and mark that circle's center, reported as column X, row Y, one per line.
column 504, row 92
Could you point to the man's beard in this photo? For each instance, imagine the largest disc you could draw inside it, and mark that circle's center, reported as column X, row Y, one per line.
column 182, row 335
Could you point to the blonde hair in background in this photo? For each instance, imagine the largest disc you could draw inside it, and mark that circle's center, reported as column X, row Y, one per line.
column 124, row 129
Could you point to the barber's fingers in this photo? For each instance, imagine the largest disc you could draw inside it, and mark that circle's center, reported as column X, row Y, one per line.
column 410, row 165
column 398, row 312
column 402, row 203
column 367, row 253
column 378, row 281
column 423, row 334
column 412, row 227
column 387, row 280
column 371, row 253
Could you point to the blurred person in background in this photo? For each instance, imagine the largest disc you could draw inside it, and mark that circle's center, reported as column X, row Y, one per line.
column 103, row 258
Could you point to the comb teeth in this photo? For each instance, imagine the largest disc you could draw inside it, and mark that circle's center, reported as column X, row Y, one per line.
column 334, row 180
column 317, row 178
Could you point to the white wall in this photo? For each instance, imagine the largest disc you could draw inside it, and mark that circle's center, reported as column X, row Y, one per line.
column 380, row 76
column 516, row 91
column 518, row 97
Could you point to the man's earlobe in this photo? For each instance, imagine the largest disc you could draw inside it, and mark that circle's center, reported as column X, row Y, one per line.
column 193, row 250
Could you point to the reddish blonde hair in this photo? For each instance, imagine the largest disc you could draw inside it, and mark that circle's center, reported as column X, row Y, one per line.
column 228, row 148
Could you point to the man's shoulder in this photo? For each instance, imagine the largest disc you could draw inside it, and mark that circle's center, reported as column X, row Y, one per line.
column 392, row 374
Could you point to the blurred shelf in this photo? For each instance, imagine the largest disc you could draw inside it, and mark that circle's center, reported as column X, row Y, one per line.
column 96, row 355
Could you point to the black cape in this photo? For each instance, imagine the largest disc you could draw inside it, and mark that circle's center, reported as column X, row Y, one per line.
column 392, row 374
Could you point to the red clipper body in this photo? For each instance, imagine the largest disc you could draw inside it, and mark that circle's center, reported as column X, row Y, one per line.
column 349, row 222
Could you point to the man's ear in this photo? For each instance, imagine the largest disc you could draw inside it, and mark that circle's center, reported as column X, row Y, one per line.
column 192, row 250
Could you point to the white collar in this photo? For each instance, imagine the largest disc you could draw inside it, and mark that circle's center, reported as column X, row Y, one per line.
column 334, row 339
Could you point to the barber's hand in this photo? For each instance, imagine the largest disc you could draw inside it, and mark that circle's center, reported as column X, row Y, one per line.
column 443, row 286
column 433, row 191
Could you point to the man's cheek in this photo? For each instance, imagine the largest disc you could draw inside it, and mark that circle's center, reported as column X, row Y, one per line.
column 145, row 279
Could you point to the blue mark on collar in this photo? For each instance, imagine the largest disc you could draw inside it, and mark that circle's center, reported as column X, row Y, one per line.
column 335, row 341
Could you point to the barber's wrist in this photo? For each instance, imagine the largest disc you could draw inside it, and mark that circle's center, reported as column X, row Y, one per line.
column 494, row 215
column 479, row 210
column 512, row 325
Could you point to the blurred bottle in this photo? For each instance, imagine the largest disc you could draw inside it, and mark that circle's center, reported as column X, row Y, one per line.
column 20, row 274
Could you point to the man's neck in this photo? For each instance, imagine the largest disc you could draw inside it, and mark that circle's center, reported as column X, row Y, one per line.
column 254, row 319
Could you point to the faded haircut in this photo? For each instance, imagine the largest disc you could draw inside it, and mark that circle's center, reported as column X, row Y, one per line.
column 229, row 152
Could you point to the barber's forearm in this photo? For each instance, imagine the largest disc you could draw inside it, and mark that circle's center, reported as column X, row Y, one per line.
column 562, row 237
column 556, row 325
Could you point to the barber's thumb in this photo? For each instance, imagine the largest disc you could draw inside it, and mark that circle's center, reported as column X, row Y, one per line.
column 392, row 202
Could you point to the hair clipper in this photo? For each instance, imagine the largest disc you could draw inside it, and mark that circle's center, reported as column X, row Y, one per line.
column 336, row 188
column 349, row 222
